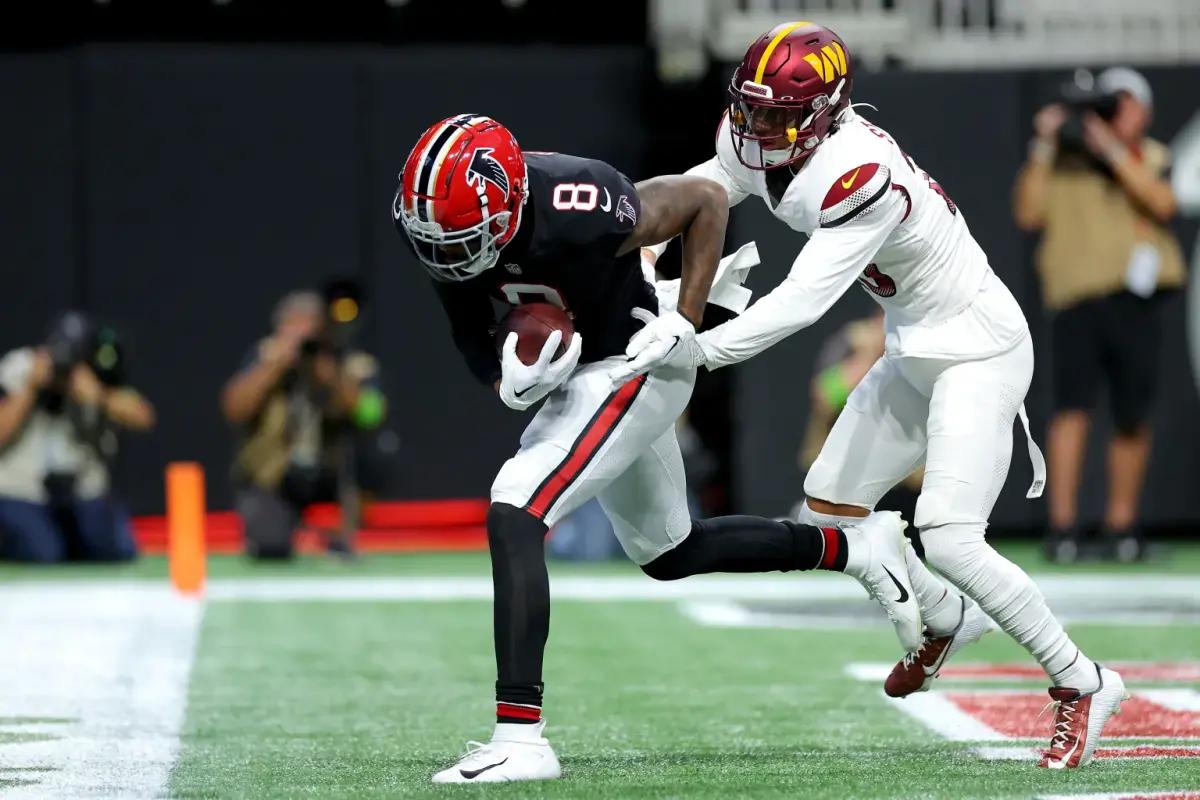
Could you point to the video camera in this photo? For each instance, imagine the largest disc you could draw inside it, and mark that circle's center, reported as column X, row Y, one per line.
column 69, row 342
column 75, row 339
column 1079, row 96
column 344, row 301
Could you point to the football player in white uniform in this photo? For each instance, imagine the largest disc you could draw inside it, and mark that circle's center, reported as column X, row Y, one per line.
column 957, row 364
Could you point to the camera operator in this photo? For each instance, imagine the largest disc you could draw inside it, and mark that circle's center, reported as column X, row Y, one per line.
column 61, row 405
column 1095, row 186
column 297, row 401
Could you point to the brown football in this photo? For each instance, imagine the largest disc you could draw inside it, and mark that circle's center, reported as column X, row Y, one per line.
column 533, row 323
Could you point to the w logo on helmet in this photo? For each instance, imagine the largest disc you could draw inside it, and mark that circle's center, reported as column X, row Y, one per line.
column 829, row 63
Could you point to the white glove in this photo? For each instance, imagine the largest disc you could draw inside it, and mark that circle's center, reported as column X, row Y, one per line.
column 669, row 340
column 649, row 272
column 521, row 384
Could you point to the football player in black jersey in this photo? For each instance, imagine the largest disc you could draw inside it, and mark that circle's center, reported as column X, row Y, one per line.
column 490, row 222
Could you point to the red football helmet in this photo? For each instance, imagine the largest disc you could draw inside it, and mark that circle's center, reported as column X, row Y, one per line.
column 461, row 195
column 787, row 93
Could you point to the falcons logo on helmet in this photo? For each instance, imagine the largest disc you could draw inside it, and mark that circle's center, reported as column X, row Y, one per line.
column 625, row 210
column 485, row 168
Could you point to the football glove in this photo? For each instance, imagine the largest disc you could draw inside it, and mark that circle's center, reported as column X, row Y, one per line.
column 521, row 384
column 666, row 341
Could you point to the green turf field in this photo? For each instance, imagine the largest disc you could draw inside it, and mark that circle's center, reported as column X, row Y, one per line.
column 325, row 679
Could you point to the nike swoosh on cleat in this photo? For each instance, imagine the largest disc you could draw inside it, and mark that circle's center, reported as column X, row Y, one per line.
column 903, row 594
column 471, row 774
column 1065, row 760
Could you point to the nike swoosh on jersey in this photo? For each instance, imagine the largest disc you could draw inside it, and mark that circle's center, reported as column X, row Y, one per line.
column 903, row 594
column 607, row 204
column 470, row 774
column 846, row 184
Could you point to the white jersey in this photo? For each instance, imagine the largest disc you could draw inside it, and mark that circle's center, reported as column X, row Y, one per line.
column 872, row 216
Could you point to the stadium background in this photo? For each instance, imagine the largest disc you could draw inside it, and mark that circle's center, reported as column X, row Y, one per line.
column 174, row 168
column 170, row 169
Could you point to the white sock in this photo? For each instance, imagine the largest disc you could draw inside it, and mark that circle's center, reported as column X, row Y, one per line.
column 809, row 517
column 1010, row 597
column 941, row 608
column 519, row 732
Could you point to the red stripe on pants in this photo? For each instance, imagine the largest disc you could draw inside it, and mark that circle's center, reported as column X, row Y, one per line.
column 585, row 447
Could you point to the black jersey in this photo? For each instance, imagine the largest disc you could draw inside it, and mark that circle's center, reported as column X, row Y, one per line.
column 578, row 214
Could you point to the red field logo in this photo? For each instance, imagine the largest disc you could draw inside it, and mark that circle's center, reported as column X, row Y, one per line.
column 1163, row 718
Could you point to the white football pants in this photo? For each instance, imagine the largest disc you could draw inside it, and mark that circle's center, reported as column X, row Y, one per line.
column 958, row 416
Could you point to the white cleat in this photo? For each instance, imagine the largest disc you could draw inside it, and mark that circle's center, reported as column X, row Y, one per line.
column 876, row 550
column 916, row 671
column 515, row 753
column 1079, row 719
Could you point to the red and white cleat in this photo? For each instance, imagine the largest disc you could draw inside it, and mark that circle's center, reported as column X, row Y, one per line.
column 916, row 671
column 1079, row 719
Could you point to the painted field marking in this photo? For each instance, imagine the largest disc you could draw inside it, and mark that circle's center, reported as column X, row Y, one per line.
column 95, row 686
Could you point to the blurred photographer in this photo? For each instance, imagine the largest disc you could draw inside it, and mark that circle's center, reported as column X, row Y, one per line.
column 298, row 400
column 1096, row 187
column 61, row 406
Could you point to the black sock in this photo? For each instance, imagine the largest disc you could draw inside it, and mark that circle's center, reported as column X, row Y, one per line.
column 521, row 610
column 747, row 544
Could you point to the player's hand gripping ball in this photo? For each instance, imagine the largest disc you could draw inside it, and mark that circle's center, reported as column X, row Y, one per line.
column 539, row 350
column 533, row 323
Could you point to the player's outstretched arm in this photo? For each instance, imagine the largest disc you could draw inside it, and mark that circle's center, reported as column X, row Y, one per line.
column 696, row 208
column 828, row 265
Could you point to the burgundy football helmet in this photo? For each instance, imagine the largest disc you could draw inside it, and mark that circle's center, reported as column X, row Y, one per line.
column 461, row 195
column 787, row 93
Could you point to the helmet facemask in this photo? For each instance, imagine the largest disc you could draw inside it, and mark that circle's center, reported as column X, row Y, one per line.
column 456, row 255
column 770, row 132
column 461, row 254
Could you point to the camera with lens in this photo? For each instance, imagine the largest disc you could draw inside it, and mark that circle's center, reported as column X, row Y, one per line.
column 75, row 339
column 1080, row 96
column 71, row 341
column 313, row 345
column 344, row 300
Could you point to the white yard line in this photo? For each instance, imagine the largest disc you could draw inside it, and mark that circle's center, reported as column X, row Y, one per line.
column 1174, row 699
column 799, row 586
column 107, row 668
column 936, row 712
column 1008, row 753
column 596, row 588
column 728, row 613
column 635, row 587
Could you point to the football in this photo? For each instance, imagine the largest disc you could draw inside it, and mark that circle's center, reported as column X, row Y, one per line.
column 533, row 323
